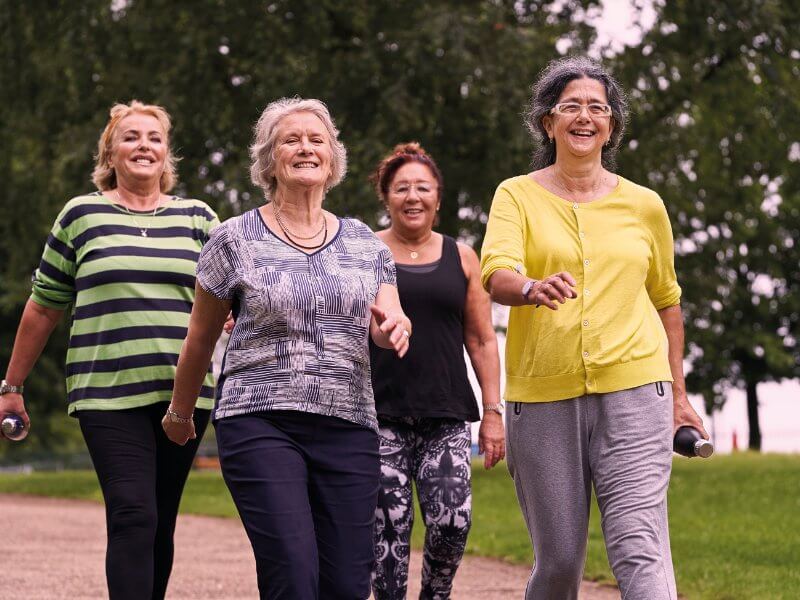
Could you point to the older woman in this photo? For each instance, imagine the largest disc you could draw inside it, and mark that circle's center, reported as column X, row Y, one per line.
column 124, row 259
column 594, row 355
column 425, row 402
column 295, row 416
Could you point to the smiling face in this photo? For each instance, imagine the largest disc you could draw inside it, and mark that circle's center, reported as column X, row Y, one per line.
column 302, row 151
column 413, row 198
column 139, row 150
column 580, row 135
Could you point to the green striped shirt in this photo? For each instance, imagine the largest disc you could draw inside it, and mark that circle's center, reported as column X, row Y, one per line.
column 131, row 296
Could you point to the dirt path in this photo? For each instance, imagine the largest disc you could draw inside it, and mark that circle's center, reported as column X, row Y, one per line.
column 55, row 549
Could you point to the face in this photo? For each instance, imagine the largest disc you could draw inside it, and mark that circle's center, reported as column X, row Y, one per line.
column 302, row 151
column 581, row 135
column 413, row 197
column 139, row 149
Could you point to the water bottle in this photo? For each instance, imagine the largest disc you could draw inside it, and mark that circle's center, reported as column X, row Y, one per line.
column 689, row 442
column 14, row 428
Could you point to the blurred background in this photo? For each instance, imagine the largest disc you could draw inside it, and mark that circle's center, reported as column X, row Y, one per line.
column 715, row 130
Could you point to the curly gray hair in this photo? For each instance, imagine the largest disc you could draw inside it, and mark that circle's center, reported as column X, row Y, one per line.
column 262, row 167
column 548, row 89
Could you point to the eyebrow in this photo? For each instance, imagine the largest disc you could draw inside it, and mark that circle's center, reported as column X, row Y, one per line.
column 151, row 132
column 577, row 99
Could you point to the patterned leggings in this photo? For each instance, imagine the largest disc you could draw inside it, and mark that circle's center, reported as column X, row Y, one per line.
column 435, row 454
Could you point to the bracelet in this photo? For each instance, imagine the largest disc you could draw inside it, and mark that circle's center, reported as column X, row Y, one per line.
column 176, row 418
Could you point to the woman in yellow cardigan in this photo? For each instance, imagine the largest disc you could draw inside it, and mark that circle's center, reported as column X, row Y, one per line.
column 594, row 353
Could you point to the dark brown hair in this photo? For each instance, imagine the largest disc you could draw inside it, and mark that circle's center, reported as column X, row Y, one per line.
column 403, row 154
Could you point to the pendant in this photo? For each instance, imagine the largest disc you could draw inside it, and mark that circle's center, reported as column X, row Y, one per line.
column 144, row 232
column 414, row 254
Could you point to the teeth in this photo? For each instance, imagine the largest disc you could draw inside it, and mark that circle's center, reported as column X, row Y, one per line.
column 305, row 165
column 142, row 161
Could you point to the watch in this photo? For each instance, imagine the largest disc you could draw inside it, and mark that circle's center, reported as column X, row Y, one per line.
column 174, row 417
column 497, row 407
column 526, row 289
column 7, row 388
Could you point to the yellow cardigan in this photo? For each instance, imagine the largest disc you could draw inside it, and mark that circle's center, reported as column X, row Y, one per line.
column 619, row 249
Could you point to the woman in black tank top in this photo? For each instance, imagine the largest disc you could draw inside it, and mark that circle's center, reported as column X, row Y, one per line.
column 424, row 401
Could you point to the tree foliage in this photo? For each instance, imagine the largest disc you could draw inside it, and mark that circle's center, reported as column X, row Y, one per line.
column 714, row 91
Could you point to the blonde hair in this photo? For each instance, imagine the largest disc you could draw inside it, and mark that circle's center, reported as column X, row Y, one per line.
column 104, row 176
column 262, row 167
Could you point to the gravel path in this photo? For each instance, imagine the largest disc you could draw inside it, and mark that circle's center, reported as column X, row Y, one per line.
column 54, row 549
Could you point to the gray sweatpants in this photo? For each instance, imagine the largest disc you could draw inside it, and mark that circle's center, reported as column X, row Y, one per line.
column 621, row 442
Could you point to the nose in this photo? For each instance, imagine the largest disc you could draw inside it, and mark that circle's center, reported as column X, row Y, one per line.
column 305, row 145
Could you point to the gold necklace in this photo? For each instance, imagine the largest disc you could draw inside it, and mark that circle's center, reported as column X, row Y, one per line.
column 282, row 225
column 142, row 230
column 414, row 253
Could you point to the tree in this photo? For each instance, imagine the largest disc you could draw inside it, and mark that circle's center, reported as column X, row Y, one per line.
column 715, row 132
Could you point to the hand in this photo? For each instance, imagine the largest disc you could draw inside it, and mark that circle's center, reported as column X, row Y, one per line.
column 394, row 330
column 491, row 439
column 180, row 433
column 553, row 288
column 229, row 323
column 12, row 403
column 684, row 414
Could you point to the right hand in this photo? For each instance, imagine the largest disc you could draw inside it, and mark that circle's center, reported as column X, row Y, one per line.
column 14, row 403
column 180, row 433
column 558, row 287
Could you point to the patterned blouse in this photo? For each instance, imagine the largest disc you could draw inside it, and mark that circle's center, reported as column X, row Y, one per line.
column 302, row 320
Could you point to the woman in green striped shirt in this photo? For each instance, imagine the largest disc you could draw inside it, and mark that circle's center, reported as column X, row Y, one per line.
column 122, row 260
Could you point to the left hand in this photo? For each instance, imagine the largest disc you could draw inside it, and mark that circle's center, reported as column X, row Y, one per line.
column 394, row 329
column 684, row 414
column 229, row 323
column 491, row 439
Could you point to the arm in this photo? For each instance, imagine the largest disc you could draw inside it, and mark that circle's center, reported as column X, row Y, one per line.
column 505, row 287
column 683, row 413
column 389, row 327
column 481, row 344
column 34, row 330
column 205, row 325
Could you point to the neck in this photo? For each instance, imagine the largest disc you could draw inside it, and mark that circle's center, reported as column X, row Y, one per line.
column 138, row 197
column 303, row 207
column 411, row 238
column 579, row 177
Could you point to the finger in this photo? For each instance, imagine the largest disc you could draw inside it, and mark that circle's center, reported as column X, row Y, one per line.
column 563, row 288
column 388, row 324
column 564, row 275
column 403, row 349
column 378, row 314
column 552, row 291
column 543, row 300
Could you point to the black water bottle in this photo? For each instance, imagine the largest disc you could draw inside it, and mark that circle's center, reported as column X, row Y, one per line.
column 13, row 427
column 689, row 442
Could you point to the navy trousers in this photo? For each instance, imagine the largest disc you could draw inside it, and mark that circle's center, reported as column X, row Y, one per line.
column 306, row 487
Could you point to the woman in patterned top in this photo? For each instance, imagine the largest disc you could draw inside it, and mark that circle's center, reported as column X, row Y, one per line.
column 294, row 414
column 124, row 259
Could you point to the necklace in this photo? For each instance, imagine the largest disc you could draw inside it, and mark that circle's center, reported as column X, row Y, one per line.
column 142, row 230
column 413, row 252
column 324, row 225
column 288, row 235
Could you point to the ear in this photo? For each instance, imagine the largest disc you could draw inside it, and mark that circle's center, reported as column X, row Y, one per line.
column 547, row 123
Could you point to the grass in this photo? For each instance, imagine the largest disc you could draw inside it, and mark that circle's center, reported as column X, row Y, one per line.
column 735, row 521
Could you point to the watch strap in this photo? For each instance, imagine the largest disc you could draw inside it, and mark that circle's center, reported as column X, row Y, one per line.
column 7, row 388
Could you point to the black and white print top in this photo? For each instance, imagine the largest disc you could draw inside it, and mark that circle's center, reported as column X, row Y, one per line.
column 302, row 320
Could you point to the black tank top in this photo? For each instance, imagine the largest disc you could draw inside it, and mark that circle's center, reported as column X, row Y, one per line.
column 431, row 379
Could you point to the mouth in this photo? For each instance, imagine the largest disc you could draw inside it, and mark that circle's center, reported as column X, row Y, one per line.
column 305, row 165
column 413, row 212
column 143, row 160
column 582, row 133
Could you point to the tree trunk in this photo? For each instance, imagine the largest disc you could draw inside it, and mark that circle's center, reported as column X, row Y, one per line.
column 754, row 442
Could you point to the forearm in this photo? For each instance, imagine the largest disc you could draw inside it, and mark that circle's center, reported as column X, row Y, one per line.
column 672, row 319
column 192, row 367
column 485, row 361
column 35, row 327
column 505, row 287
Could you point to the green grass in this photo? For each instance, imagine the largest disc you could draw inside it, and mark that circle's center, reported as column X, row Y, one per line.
column 735, row 521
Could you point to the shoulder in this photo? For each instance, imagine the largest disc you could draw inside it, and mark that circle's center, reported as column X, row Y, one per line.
column 469, row 258
column 81, row 207
column 642, row 196
column 193, row 208
column 355, row 229
column 515, row 185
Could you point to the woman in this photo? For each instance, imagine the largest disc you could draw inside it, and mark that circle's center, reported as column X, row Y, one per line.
column 425, row 402
column 124, row 259
column 294, row 415
column 588, row 375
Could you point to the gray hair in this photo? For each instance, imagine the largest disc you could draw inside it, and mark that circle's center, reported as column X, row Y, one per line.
column 548, row 89
column 262, row 167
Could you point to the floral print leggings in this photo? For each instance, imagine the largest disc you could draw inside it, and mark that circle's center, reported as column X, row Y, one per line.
column 434, row 453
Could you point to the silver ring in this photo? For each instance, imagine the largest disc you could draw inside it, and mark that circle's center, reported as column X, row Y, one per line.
column 405, row 333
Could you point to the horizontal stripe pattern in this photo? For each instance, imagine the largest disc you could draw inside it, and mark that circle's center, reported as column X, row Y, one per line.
column 131, row 296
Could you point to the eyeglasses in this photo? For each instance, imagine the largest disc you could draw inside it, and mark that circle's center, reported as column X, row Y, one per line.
column 424, row 190
column 573, row 108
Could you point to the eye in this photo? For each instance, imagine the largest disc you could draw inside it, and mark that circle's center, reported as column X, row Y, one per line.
column 570, row 108
column 424, row 188
column 401, row 189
